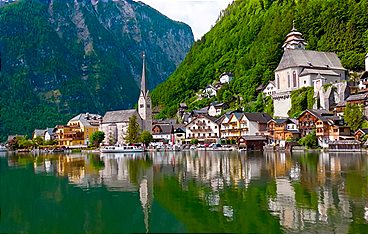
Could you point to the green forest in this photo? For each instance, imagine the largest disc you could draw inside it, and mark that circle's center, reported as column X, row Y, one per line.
column 248, row 39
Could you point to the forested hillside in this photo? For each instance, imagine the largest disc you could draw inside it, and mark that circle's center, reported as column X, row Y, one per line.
column 248, row 41
column 63, row 57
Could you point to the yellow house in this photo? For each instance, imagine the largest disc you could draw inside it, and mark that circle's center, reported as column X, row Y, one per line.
column 69, row 135
column 87, row 123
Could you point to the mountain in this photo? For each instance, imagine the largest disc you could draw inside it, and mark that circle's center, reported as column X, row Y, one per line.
column 63, row 57
column 247, row 41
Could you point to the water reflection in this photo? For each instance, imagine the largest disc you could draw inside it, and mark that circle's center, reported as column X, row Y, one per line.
column 226, row 191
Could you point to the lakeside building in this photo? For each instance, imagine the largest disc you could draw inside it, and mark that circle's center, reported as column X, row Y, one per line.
column 302, row 68
column 115, row 123
column 77, row 132
column 239, row 124
column 281, row 130
column 205, row 128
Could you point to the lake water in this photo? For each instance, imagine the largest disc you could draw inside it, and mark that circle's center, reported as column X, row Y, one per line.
column 184, row 192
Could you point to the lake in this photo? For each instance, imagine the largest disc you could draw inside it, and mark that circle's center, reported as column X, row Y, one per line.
column 184, row 192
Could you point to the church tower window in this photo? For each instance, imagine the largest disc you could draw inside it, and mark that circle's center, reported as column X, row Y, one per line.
column 294, row 79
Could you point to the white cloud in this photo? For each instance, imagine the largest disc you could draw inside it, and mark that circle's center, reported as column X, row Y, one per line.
column 200, row 15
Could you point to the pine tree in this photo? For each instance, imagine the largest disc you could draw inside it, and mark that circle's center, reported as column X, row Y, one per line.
column 133, row 131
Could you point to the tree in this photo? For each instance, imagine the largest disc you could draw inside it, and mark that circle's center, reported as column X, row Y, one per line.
column 353, row 115
column 133, row 130
column 97, row 137
column 38, row 141
column 146, row 137
column 310, row 140
column 194, row 141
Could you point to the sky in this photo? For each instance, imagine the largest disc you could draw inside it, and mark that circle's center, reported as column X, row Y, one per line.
column 200, row 15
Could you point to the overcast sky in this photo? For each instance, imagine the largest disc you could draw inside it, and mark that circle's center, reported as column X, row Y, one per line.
column 200, row 15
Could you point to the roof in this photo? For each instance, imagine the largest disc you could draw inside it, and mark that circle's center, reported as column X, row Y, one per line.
column 357, row 97
column 308, row 71
column 39, row 132
column 309, row 58
column 165, row 129
column 363, row 130
column 213, row 119
column 258, row 117
column 323, row 115
column 87, row 119
column 119, row 116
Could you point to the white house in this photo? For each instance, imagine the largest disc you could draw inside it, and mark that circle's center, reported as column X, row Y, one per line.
column 215, row 109
column 210, row 91
column 204, row 128
column 226, row 77
column 270, row 88
column 300, row 68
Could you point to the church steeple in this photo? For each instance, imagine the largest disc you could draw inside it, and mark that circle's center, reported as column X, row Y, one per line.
column 144, row 102
column 143, row 80
column 294, row 40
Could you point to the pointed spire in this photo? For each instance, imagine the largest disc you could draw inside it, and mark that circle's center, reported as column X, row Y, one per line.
column 293, row 29
column 143, row 81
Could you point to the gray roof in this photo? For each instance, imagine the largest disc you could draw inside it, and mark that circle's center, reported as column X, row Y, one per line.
column 309, row 58
column 357, row 97
column 50, row 131
column 87, row 119
column 258, row 117
column 308, row 71
column 39, row 132
column 165, row 129
column 119, row 116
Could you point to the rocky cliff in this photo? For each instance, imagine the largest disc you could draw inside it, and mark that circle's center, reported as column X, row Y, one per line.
column 62, row 57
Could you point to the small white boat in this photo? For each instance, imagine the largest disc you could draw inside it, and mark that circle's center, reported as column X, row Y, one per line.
column 121, row 149
column 3, row 148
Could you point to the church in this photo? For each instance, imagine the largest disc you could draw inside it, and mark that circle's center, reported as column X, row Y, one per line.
column 115, row 123
column 302, row 68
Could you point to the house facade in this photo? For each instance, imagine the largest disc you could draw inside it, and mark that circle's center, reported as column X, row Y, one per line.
column 69, row 136
column 204, row 128
column 88, row 123
column 215, row 109
column 270, row 89
column 281, row 130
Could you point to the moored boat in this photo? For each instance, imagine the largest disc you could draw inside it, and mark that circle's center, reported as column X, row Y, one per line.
column 121, row 149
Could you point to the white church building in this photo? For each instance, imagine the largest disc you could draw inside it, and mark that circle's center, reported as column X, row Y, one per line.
column 302, row 68
column 115, row 123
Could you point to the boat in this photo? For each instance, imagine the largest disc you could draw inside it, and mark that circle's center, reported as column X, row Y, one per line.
column 3, row 148
column 121, row 149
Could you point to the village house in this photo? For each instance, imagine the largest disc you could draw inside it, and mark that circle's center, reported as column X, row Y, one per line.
column 210, row 91
column 360, row 133
column 204, row 128
column 50, row 134
column 88, row 123
column 226, row 77
column 215, row 109
column 363, row 81
column 269, row 89
column 69, row 136
column 240, row 124
column 115, row 123
column 300, row 68
column 328, row 127
column 281, row 130
column 162, row 133
column 38, row 133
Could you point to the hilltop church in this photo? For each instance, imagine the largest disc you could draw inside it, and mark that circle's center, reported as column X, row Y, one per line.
column 303, row 68
column 115, row 123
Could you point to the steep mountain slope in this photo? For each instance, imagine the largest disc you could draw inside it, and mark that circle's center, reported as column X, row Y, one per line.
column 248, row 41
column 62, row 57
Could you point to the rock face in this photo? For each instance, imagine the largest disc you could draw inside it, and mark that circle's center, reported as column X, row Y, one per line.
column 71, row 56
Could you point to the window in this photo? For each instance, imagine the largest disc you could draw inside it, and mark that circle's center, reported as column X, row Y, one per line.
column 305, row 82
column 294, row 79
column 209, row 134
column 216, row 134
column 204, row 134
column 215, row 127
column 288, row 77
column 278, row 82
column 141, row 106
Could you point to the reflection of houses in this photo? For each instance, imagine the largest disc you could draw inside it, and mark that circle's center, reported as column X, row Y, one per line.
column 204, row 128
